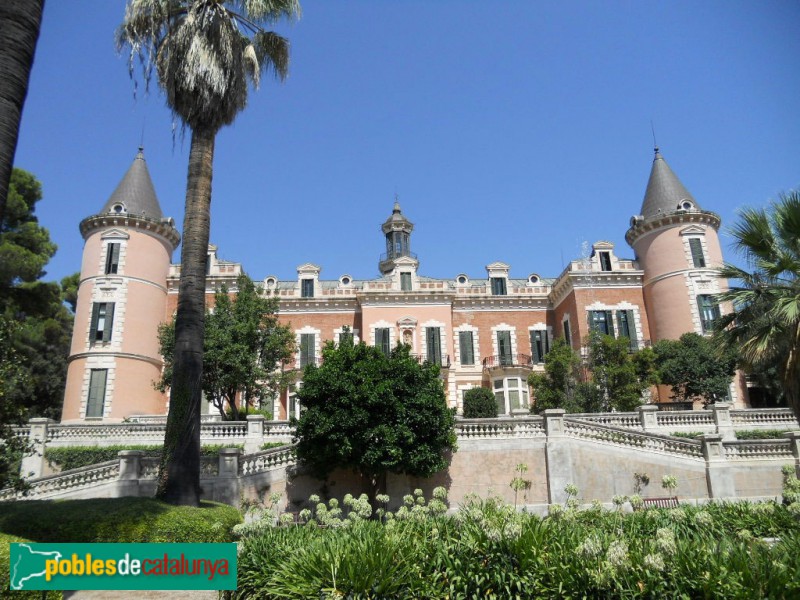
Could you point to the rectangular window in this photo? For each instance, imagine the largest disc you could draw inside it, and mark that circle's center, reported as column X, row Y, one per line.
column 102, row 322
column 346, row 336
column 307, row 288
column 97, row 392
column 307, row 349
column 466, row 347
column 709, row 312
column 500, row 397
column 539, row 345
column 698, row 259
column 382, row 340
column 627, row 327
column 499, row 286
column 605, row 261
column 600, row 321
column 567, row 334
column 504, row 347
column 434, row 339
column 112, row 259
column 405, row 282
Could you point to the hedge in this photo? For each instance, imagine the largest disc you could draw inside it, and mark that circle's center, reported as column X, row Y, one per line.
column 479, row 403
column 761, row 434
column 117, row 520
column 74, row 457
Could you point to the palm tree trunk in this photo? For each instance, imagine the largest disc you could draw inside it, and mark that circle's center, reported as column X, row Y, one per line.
column 179, row 476
column 19, row 30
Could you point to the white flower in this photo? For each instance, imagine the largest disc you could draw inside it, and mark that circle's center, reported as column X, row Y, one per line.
column 654, row 562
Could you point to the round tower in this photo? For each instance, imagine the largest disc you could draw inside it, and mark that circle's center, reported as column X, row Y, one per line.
column 114, row 358
column 678, row 249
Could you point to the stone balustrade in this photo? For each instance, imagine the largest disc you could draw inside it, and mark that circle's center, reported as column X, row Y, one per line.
column 618, row 436
column 55, row 485
column 527, row 427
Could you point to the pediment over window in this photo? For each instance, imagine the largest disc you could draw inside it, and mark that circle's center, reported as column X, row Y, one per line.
column 693, row 230
column 407, row 322
column 115, row 234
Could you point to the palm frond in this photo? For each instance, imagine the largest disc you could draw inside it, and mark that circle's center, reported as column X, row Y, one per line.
column 272, row 51
column 268, row 10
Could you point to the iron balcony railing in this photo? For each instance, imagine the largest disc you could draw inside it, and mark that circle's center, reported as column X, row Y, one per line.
column 442, row 361
column 507, row 360
column 385, row 256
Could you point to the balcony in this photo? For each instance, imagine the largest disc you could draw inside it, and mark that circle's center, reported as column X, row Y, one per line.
column 507, row 360
column 443, row 361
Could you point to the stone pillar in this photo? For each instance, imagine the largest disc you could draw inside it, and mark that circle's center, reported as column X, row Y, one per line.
column 559, row 457
column 794, row 440
column 226, row 486
column 648, row 419
column 718, row 476
column 255, row 434
column 33, row 463
column 721, row 413
column 130, row 463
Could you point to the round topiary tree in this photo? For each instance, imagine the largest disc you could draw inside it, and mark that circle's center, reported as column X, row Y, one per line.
column 479, row 403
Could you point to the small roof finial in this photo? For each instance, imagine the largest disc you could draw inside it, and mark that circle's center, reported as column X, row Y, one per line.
column 655, row 143
column 396, row 208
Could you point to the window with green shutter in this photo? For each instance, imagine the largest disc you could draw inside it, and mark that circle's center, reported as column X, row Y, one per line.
column 605, row 261
column 600, row 321
column 499, row 286
column 382, row 340
column 112, row 259
column 307, row 348
column 466, row 347
column 405, row 282
column 102, row 322
column 698, row 258
column 539, row 345
column 97, row 392
column 709, row 312
column 567, row 333
column 307, row 288
column 434, row 339
column 504, row 347
column 627, row 327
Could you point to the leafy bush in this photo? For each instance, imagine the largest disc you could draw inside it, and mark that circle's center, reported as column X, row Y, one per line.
column 761, row 434
column 271, row 445
column 692, row 435
column 243, row 412
column 489, row 550
column 479, row 403
column 74, row 457
column 117, row 520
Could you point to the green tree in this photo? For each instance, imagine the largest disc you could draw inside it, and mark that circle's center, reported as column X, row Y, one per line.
column 42, row 324
column 19, row 30
column 620, row 377
column 204, row 53
column 373, row 413
column 764, row 327
column 479, row 403
column 695, row 368
column 558, row 386
column 12, row 376
column 244, row 344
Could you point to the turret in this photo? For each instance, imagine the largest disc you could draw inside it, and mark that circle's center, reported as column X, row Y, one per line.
column 678, row 249
column 397, row 230
column 114, row 358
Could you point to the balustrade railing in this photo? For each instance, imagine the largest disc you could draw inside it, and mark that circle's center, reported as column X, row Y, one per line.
column 764, row 417
column 623, row 437
column 627, row 420
column 685, row 419
column 268, row 460
column 66, row 481
column 528, row 427
column 758, row 450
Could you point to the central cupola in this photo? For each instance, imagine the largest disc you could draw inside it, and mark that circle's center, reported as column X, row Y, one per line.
column 397, row 230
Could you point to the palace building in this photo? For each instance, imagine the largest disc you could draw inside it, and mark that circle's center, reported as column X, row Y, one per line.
column 491, row 332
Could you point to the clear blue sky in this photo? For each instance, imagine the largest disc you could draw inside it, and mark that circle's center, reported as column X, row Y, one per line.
column 512, row 130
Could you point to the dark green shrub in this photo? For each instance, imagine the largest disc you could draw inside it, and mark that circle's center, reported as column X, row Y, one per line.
column 479, row 403
column 692, row 435
column 761, row 434
column 74, row 457
column 117, row 520
column 271, row 445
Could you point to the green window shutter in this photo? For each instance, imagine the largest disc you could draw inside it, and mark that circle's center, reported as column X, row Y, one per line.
column 536, row 346
column 95, row 319
column 504, row 347
column 567, row 334
column 610, row 323
column 698, row 259
column 622, row 323
column 307, row 342
column 97, row 393
column 382, row 340
column 434, row 344
column 405, row 282
column 109, row 322
column 465, row 343
column 112, row 258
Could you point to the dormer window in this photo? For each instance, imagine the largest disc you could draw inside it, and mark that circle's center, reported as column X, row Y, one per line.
column 118, row 208
column 498, row 286
column 605, row 260
column 306, row 288
column 405, row 281
column 462, row 279
column 685, row 205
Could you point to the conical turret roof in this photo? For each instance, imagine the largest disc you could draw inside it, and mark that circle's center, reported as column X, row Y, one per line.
column 135, row 194
column 665, row 192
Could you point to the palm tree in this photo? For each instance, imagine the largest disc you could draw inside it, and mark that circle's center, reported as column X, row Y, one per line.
column 19, row 31
column 765, row 324
column 204, row 52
